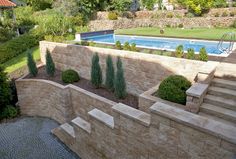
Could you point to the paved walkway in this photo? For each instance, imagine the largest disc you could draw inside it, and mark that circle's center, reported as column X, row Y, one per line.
column 30, row 138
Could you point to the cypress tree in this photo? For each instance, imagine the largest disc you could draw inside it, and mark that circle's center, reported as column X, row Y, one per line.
column 50, row 66
column 109, row 73
column 96, row 72
column 119, row 84
column 33, row 70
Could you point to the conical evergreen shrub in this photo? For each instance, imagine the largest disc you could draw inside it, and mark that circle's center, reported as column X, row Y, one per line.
column 96, row 72
column 119, row 84
column 50, row 66
column 33, row 70
column 110, row 74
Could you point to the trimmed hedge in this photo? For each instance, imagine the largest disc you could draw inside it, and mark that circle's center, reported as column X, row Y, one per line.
column 174, row 88
column 70, row 76
column 16, row 46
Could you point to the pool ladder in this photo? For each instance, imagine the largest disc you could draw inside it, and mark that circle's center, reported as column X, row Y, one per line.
column 230, row 37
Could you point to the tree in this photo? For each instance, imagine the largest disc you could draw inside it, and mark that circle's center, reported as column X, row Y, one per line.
column 203, row 54
column 110, row 75
column 5, row 93
column 96, row 72
column 50, row 66
column 122, row 5
column 119, row 84
column 33, row 70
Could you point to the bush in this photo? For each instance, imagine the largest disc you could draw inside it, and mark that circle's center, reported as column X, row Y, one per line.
column 203, row 54
column 33, row 70
column 220, row 4
column 5, row 93
column 126, row 46
column 96, row 72
column 189, row 15
column 191, row 54
column 112, row 16
column 110, row 75
column 16, row 46
column 120, row 84
column 50, row 66
column 217, row 14
column 179, row 52
column 9, row 112
column 232, row 14
column 133, row 47
column 169, row 15
column 70, row 76
column 174, row 89
column 118, row 45
column 234, row 24
column 224, row 14
column 121, row 5
column 181, row 25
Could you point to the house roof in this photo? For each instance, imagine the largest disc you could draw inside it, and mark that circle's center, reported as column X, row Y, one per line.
column 6, row 3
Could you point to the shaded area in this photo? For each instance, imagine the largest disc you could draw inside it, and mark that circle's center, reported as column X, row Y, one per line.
column 31, row 138
column 130, row 100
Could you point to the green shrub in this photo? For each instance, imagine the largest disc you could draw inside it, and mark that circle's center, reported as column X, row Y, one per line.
column 5, row 93
column 232, row 14
column 121, row 5
column 220, row 4
column 217, row 14
column 174, row 89
column 33, row 70
column 9, row 112
column 181, row 25
column 234, row 24
column 224, row 14
column 133, row 47
column 91, row 43
column 126, row 46
column 84, row 43
column 203, row 54
column 112, row 16
column 110, row 74
column 169, row 15
column 16, row 46
column 70, row 76
column 190, row 54
column 50, row 66
column 189, row 15
column 118, row 45
column 179, row 52
column 96, row 72
column 120, row 84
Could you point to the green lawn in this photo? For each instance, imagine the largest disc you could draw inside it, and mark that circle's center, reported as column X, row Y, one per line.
column 201, row 33
column 20, row 60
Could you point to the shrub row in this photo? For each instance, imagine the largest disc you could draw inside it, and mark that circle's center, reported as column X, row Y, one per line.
column 16, row 46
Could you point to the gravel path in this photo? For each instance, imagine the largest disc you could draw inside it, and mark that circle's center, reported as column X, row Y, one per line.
column 31, row 138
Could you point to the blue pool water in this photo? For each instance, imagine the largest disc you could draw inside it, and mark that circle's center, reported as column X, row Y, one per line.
column 159, row 43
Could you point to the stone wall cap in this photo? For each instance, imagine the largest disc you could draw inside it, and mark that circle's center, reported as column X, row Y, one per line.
column 197, row 90
column 132, row 113
column 102, row 117
column 210, row 126
column 81, row 123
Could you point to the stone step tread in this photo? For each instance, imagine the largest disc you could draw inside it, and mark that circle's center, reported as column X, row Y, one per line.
column 68, row 129
column 222, row 112
column 222, row 90
column 224, row 82
column 222, row 100
column 81, row 123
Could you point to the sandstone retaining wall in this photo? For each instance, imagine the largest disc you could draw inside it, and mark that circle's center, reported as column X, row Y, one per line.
column 142, row 71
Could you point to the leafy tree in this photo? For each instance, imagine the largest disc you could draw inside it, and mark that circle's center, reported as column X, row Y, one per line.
column 96, row 72
column 120, row 84
column 203, row 54
column 39, row 4
column 5, row 93
column 148, row 4
column 50, row 66
column 122, row 5
column 33, row 70
column 198, row 7
column 110, row 75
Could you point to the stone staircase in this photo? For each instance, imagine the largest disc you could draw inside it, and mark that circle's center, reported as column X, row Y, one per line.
column 220, row 101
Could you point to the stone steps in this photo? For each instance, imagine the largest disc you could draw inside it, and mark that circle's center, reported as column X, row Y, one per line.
column 224, row 83
column 222, row 92
column 220, row 112
column 220, row 101
column 68, row 129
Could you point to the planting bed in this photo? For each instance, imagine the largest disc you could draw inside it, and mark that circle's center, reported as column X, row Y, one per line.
column 130, row 100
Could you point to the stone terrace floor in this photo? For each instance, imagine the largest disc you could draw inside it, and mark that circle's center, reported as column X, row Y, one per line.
column 31, row 138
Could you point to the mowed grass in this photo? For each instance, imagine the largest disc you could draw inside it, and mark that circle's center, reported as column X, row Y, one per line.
column 21, row 60
column 199, row 33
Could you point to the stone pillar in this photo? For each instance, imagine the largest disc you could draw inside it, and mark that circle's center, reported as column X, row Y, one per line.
column 195, row 95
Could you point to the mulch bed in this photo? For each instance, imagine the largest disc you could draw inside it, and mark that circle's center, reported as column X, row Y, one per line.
column 130, row 100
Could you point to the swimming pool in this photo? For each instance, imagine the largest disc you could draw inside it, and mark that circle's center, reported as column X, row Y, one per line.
column 168, row 44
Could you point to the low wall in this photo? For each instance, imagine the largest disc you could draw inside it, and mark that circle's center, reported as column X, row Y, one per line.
column 167, row 132
column 61, row 103
column 142, row 71
column 125, row 23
